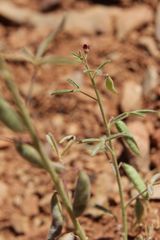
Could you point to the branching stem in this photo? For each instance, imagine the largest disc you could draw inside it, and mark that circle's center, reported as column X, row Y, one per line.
column 56, row 179
column 114, row 159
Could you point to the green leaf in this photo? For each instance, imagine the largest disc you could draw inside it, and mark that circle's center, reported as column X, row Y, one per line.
column 45, row 43
column 140, row 113
column 62, row 91
column 139, row 210
column 73, row 83
column 110, row 84
column 82, row 194
column 136, row 179
column 51, row 59
column 57, row 218
column 103, row 64
column 53, row 143
column 145, row 111
column 128, row 140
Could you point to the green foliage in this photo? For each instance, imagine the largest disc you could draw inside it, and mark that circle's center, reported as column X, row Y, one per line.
column 82, row 194
column 57, row 218
column 18, row 120
column 10, row 117
column 136, row 179
column 129, row 140
column 139, row 210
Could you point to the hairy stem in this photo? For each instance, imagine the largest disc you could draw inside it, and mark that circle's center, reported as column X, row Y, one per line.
column 114, row 159
column 56, row 179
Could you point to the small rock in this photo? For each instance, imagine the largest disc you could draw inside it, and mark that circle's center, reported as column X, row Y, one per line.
column 44, row 203
column 150, row 44
column 156, row 193
column 158, row 23
column 131, row 96
column 151, row 80
column 131, row 19
column 3, row 191
column 20, row 224
column 30, row 205
column 48, row 5
column 141, row 135
column 90, row 21
column 36, row 90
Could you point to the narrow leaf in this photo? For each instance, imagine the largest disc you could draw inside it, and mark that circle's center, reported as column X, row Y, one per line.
column 139, row 210
column 82, row 194
column 57, row 218
column 129, row 141
column 136, row 179
column 73, row 83
column 45, row 43
column 51, row 59
column 51, row 140
column 62, row 91
column 103, row 64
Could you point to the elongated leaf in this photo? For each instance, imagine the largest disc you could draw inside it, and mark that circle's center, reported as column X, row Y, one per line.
column 57, row 218
column 140, row 113
column 62, row 91
column 73, row 83
column 139, row 210
column 51, row 59
column 51, row 140
column 110, row 84
column 136, row 179
column 130, row 142
column 82, row 194
column 45, row 43
column 145, row 111
column 103, row 64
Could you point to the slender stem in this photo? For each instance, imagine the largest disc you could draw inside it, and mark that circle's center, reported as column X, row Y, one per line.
column 114, row 159
column 57, row 181
column 86, row 94
column 32, row 81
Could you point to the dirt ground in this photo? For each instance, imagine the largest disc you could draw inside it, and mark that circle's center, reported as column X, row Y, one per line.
column 128, row 33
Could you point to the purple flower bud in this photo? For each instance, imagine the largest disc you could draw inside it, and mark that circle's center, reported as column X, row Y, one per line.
column 86, row 48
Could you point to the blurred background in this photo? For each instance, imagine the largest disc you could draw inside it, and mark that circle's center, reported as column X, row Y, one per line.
column 128, row 33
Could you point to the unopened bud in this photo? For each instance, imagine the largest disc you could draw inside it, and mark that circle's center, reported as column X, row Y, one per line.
column 86, row 48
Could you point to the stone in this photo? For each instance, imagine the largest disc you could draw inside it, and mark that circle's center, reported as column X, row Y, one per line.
column 90, row 21
column 150, row 45
column 151, row 80
column 30, row 205
column 131, row 96
column 157, row 32
column 3, row 191
column 20, row 224
column 131, row 19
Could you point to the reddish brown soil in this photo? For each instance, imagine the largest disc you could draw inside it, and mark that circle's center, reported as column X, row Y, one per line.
column 25, row 191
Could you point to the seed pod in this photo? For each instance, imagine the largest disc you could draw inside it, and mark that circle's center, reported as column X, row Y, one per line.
column 139, row 209
column 82, row 194
column 10, row 117
column 31, row 154
column 57, row 218
column 129, row 140
column 136, row 179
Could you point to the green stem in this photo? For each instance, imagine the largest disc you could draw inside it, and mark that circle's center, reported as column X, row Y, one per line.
column 114, row 159
column 57, row 181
